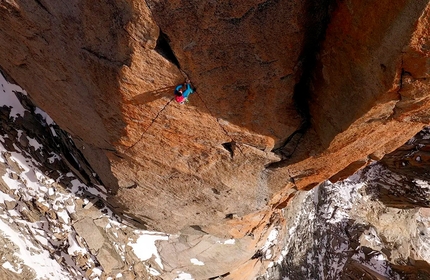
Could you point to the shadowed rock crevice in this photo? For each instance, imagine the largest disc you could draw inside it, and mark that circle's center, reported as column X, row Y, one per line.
column 220, row 276
column 229, row 147
column 318, row 17
column 100, row 56
column 164, row 49
column 43, row 6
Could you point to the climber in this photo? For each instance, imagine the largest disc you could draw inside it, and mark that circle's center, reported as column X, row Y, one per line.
column 183, row 91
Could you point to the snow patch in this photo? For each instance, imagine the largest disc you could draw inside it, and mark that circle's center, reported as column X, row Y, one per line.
column 230, row 241
column 227, row 242
column 184, row 276
column 45, row 116
column 9, row 98
column 153, row 272
column 196, row 261
column 40, row 261
column 9, row 266
column 145, row 248
column 5, row 197
column 422, row 184
column 33, row 142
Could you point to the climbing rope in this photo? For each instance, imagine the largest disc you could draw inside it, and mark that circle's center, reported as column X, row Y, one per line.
column 207, row 108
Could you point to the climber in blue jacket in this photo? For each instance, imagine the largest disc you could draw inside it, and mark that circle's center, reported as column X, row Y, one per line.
column 183, row 91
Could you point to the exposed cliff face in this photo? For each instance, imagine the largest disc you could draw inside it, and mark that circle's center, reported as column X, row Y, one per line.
column 343, row 231
column 56, row 226
column 361, row 104
column 241, row 144
column 372, row 225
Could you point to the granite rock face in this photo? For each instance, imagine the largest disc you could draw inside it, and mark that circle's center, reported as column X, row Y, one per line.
column 363, row 101
column 288, row 94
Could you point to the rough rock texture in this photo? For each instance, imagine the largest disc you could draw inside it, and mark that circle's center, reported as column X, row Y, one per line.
column 53, row 225
column 344, row 225
column 289, row 93
column 343, row 231
column 363, row 104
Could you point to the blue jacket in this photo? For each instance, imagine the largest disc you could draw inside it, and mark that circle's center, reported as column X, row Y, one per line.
column 187, row 91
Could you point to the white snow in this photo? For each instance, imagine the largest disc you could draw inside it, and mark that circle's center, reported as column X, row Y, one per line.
column 5, row 197
column 9, row 266
column 227, row 242
column 34, row 143
column 39, row 260
column 64, row 216
column 96, row 272
column 271, row 240
column 153, row 272
column 196, row 261
column 422, row 184
column 11, row 183
column 53, row 158
column 145, row 248
column 184, row 276
column 47, row 118
column 9, row 98
column 74, row 248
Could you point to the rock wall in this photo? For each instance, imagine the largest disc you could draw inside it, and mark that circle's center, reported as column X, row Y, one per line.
column 344, row 230
column 289, row 94
column 363, row 103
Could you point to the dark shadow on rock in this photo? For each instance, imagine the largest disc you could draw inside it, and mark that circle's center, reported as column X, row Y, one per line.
column 336, row 254
column 401, row 193
column 53, row 142
column 152, row 95
column 413, row 158
column 323, row 259
column 317, row 17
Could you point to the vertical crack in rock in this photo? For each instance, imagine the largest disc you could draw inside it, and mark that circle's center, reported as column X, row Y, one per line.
column 318, row 15
column 152, row 122
column 403, row 73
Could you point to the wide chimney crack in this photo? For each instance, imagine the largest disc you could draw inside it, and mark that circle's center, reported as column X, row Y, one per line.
column 318, row 17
